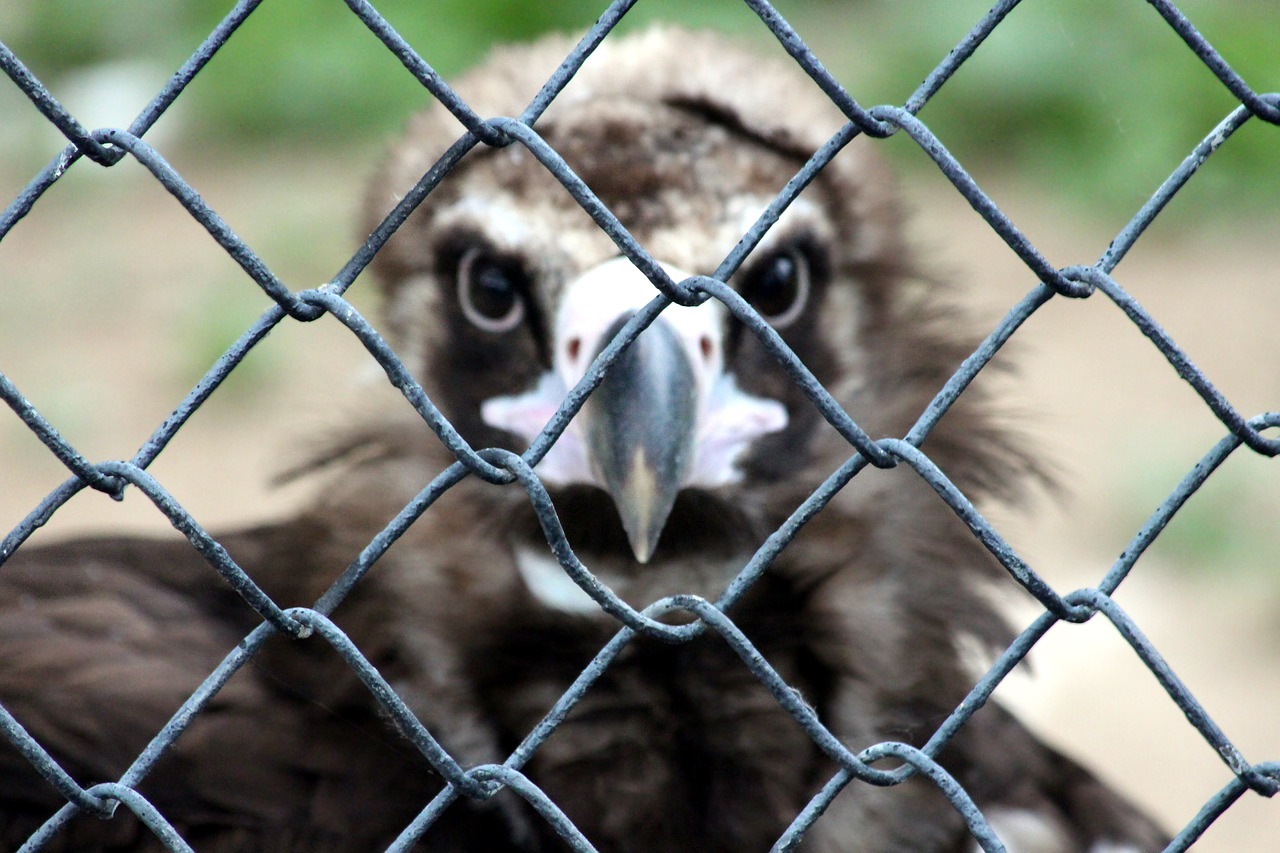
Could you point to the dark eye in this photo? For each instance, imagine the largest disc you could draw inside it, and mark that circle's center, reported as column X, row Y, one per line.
column 778, row 286
column 489, row 291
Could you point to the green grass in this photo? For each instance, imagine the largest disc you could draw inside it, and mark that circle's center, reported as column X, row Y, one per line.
column 1095, row 101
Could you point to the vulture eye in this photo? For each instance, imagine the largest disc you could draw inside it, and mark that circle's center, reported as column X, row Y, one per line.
column 489, row 291
column 778, row 286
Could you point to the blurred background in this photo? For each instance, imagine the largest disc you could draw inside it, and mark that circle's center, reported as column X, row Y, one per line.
column 113, row 302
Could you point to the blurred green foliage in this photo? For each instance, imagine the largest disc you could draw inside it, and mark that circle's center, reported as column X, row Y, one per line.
column 1097, row 100
column 1228, row 524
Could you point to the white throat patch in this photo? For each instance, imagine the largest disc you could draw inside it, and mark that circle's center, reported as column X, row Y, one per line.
column 548, row 582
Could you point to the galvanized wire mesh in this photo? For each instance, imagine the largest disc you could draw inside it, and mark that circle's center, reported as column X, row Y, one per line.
column 106, row 147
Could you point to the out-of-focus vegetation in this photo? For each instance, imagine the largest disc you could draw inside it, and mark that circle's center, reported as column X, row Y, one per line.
column 1096, row 100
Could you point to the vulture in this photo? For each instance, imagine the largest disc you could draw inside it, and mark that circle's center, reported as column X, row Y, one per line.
column 498, row 293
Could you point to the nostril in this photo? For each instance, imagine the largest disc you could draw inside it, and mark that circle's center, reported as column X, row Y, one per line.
column 573, row 348
column 704, row 343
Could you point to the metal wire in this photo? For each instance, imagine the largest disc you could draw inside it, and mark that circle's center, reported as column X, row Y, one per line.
column 107, row 147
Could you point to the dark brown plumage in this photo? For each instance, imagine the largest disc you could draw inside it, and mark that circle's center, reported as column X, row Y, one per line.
column 686, row 139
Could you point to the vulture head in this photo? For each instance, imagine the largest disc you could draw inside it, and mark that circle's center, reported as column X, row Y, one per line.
column 501, row 291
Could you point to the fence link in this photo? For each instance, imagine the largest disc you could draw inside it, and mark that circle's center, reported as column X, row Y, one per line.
column 107, row 147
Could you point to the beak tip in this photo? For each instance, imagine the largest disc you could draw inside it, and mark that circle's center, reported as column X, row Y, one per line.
column 644, row 501
column 642, row 550
column 643, row 539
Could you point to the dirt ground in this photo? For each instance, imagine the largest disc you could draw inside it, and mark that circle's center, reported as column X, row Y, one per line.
column 1120, row 430
column 113, row 302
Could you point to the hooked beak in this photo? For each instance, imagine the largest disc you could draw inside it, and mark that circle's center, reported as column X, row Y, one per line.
column 640, row 430
column 666, row 416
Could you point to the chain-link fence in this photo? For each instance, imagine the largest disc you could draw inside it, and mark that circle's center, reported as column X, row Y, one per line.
column 107, row 147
